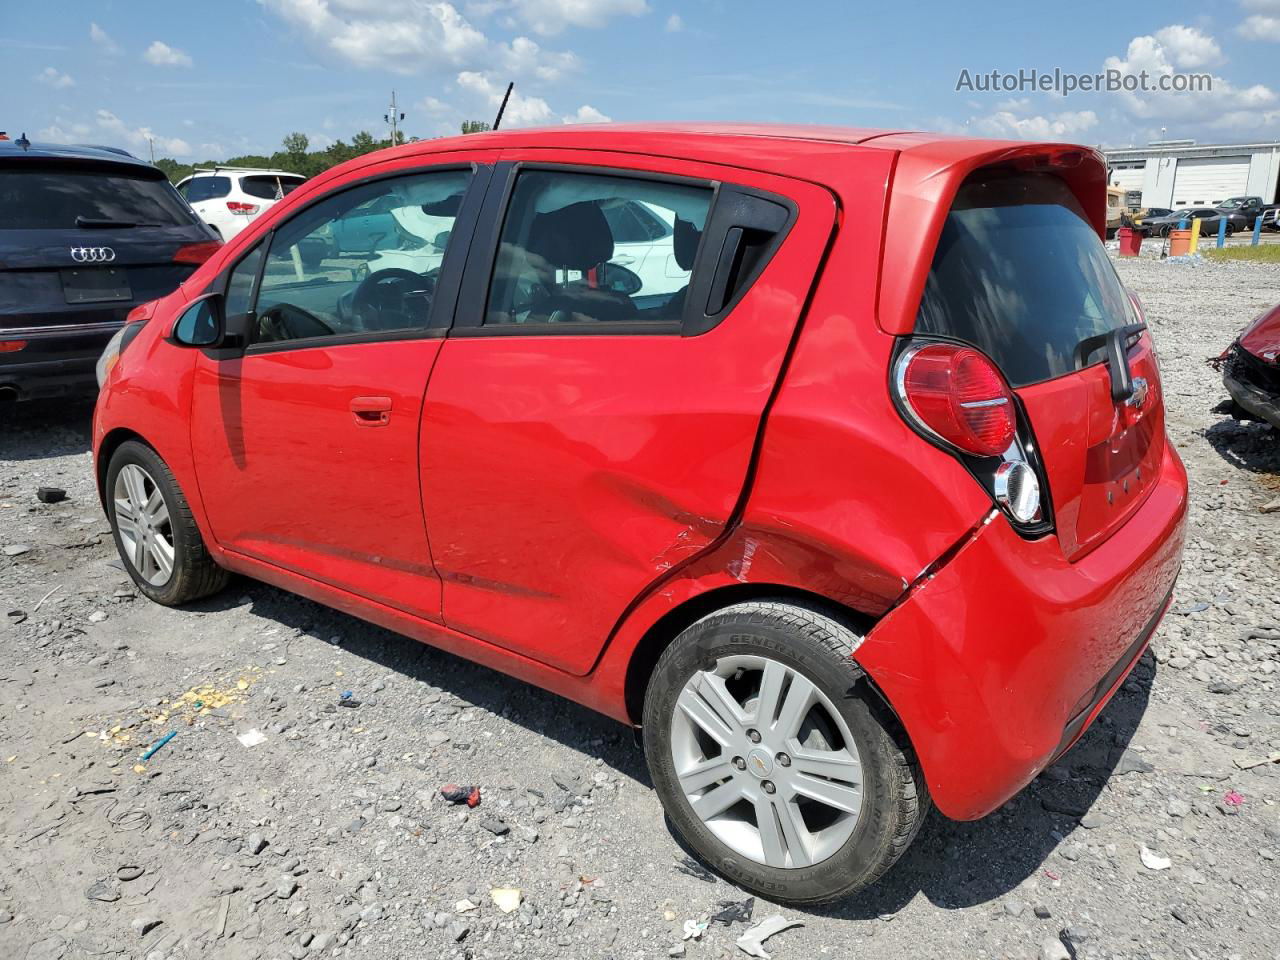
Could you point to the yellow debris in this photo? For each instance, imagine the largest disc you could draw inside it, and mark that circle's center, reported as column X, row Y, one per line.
column 139, row 768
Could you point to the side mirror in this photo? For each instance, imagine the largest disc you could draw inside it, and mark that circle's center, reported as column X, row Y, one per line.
column 202, row 324
column 618, row 279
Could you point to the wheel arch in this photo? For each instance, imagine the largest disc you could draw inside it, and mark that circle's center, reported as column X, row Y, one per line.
column 662, row 633
column 114, row 439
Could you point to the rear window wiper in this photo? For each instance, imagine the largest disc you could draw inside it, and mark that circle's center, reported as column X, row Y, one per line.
column 1116, row 357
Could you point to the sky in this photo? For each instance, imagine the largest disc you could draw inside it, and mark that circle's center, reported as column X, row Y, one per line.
column 218, row 79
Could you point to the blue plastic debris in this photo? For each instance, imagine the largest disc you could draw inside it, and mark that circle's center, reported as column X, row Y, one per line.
column 158, row 744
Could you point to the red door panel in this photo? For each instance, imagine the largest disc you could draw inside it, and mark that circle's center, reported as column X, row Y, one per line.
column 563, row 473
column 308, row 459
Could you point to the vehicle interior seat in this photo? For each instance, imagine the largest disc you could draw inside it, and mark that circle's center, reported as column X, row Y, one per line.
column 684, row 248
column 575, row 237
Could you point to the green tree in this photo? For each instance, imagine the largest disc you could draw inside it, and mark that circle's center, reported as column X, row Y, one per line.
column 475, row 126
column 295, row 144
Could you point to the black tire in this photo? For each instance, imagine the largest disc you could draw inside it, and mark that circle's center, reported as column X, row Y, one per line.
column 895, row 800
column 195, row 574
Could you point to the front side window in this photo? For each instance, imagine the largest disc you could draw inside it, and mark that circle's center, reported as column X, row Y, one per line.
column 363, row 260
column 594, row 248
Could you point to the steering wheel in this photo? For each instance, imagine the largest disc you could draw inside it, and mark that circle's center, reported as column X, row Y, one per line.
column 381, row 301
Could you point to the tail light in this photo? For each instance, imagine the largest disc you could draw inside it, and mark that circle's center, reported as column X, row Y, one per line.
column 12, row 346
column 956, row 396
column 196, row 252
column 242, row 209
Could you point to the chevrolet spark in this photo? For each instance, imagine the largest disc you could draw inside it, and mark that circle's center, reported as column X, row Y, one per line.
column 857, row 504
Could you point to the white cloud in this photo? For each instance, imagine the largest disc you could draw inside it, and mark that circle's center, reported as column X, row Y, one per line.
column 1067, row 125
column 140, row 139
column 102, row 39
column 549, row 17
column 675, row 23
column 1223, row 106
column 522, row 110
column 55, row 78
column 524, row 58
column 1260, row 27
column 1188, row 47
column 587, row 114
column 160, row 54
column 62, row 132
column 407, row 36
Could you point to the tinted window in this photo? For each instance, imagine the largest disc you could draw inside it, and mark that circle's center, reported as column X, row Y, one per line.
column 269, row 186
column 208, row 188
column 363, row 260
column 240, row 285
column 557, row 261
column 53, row 199
column 1020, row 274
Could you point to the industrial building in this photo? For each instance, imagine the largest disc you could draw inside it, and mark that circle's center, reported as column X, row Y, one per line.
column 1183, row 173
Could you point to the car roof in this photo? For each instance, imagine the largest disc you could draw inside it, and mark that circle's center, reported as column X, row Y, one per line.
column 14, row 150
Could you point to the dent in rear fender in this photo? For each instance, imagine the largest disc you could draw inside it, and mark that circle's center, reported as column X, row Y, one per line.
column 987, row 661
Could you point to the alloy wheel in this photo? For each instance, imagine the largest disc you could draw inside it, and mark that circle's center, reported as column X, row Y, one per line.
column 766, row 761
column 142, row 520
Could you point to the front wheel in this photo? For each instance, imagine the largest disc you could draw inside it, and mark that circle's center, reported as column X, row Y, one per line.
column 775, row 760
column 155, row 534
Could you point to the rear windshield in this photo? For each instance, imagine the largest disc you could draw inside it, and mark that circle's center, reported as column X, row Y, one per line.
column 206, row 188
column 54, row 199
column 269, row 186
column 1020, row 274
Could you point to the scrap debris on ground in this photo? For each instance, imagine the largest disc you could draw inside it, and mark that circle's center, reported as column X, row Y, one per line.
column 283, row 820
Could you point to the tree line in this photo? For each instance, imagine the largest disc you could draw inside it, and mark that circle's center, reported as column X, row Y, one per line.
column 295, row 154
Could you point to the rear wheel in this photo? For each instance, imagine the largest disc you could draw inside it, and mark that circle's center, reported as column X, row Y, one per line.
column 155, row 534
column 776, row 761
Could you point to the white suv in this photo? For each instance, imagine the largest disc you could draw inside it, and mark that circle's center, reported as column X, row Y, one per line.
column 230, row 198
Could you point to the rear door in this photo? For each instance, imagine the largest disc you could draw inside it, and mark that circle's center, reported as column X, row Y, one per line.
column 587, row 428
column 82, row 243
column 1021, row 274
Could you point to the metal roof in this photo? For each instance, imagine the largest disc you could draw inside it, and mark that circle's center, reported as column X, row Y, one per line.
column 13, row 149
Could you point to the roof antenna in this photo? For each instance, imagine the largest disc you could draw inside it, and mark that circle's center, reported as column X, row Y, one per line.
column 502, row 109
column 23, row 142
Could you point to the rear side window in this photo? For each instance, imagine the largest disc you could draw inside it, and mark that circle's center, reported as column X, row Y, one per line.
column 559, row 259
column 52, row 198
column 208, row 188
column 268, row 186
column 1020, row 274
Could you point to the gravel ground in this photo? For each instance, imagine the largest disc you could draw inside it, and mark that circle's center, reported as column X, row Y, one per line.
column 330, row 835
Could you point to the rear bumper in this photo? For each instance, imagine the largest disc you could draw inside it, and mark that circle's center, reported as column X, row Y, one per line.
column 998, row 663
column 55, row 361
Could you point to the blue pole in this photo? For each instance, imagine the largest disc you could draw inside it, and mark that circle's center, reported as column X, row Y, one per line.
column 1182, row 224
column 1222, row 232
column 1257, row 231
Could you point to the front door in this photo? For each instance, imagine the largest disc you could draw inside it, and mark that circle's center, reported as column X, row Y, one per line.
column 306, row 447
column 589, row 426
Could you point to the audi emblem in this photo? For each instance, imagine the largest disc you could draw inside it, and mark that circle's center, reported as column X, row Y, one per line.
column 92, row 254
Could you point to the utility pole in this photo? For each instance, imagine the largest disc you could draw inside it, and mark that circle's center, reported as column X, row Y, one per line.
column 393, row 118
column 151, row 143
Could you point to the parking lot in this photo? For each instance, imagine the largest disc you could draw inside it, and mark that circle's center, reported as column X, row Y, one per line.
column 330, row 831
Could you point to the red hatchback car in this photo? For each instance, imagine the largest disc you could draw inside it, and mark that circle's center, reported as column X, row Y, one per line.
column 833, row 459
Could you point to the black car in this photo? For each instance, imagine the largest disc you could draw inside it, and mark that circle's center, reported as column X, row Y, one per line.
column 86, row 235
column 1205, row 217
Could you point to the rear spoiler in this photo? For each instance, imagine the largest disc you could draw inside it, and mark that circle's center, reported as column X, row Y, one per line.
column 926, row 176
